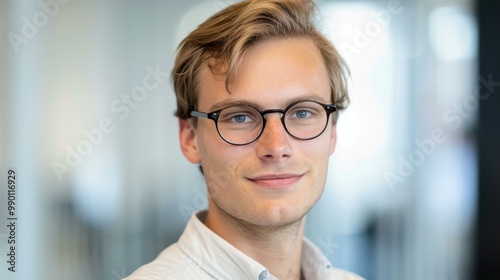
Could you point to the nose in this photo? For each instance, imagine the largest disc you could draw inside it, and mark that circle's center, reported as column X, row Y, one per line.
column 274, row 143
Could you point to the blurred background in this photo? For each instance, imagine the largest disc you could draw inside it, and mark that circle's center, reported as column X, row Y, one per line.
column 87, row 122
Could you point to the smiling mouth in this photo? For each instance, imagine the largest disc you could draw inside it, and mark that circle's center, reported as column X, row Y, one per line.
column 283, row 181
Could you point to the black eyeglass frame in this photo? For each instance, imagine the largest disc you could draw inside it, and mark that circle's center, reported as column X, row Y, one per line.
column 329, row 109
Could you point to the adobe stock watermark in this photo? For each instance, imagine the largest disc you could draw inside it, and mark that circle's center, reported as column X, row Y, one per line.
column 363, row 37
column 453, row 118
column 327, row 246
column 48, row 9
column 121, row 109
column 199, row 201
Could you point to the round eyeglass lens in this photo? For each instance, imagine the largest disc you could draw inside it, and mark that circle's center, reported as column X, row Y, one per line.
column 239, row 124
column 306, row 120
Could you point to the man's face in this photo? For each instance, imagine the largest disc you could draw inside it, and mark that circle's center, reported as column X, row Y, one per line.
column 275, row 180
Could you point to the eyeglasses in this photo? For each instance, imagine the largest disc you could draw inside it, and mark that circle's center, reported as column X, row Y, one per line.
column 241, row 124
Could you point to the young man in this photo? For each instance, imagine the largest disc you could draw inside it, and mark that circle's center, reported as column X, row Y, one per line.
column 258, row 93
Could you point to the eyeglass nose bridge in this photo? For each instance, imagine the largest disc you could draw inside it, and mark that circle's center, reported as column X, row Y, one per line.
column 264, row 120
column 270, row 111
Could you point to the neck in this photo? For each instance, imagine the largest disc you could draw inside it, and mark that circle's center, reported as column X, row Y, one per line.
column 277, row 248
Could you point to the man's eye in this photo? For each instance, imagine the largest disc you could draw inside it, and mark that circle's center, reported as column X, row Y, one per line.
column 301, row 114
column 241, row 118
column 237, row 118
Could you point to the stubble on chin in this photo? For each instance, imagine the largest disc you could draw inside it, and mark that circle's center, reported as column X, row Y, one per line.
column 242, row 209
column 255, row 227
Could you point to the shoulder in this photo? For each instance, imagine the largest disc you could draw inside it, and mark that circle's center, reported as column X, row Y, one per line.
column 170, row 264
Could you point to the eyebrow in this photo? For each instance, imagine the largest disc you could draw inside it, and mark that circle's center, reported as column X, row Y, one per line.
column 225, row 104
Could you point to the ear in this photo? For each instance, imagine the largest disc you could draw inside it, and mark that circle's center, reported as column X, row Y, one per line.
column 187, row 137
column 333, row 141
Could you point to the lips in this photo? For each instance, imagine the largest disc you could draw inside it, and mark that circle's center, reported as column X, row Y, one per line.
column 276, row 181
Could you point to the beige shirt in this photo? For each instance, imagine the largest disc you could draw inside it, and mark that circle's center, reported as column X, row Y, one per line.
column 201, row 254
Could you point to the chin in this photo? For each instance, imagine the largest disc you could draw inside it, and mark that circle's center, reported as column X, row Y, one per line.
column 279, row 217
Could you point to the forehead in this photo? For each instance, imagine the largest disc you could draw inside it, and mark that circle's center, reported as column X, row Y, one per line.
column 270, row 74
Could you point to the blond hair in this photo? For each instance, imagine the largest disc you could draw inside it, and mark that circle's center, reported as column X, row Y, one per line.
column 221, row 42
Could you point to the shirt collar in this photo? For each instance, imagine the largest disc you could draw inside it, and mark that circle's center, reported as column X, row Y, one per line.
column 222, row 260
column 315, row 265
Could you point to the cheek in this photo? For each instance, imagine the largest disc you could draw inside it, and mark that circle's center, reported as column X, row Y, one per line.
column 219, row 161
column 208, row 142
column 318, row 154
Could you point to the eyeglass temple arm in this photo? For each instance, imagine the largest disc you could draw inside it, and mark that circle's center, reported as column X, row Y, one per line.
column 199, row 114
